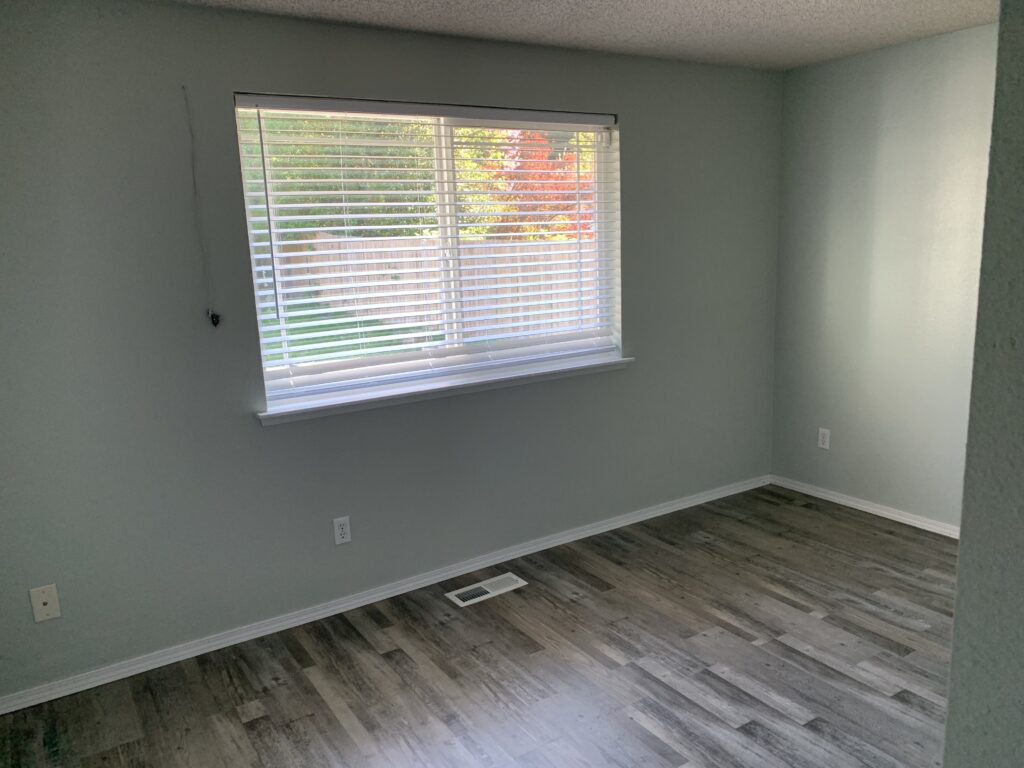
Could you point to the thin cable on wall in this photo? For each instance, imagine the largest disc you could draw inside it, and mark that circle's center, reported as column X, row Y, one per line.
column 204, row 260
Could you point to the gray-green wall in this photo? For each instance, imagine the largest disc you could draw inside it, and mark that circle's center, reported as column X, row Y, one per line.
column 986, row 716
column 884, row 164
column 132, row 470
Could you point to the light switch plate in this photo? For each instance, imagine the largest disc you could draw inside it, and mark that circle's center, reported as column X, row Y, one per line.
column 45, row 602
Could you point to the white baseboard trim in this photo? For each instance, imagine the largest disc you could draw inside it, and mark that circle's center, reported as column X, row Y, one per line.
column 122, row 669
column 927, row 524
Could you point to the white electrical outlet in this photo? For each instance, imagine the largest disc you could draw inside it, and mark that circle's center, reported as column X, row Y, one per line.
column 824, row 438
column 342, row 532
column 45, row 603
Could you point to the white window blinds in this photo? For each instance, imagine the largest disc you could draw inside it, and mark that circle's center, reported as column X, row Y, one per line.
column 414, row 247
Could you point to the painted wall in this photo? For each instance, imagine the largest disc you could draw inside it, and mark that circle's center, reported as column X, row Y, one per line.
column 884, row 163
column 132, row 470
column 987, row 687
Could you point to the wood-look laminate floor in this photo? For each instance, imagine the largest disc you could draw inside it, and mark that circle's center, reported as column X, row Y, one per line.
column 764, row 630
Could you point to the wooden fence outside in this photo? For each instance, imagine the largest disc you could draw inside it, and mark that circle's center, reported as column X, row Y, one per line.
column 351, row 273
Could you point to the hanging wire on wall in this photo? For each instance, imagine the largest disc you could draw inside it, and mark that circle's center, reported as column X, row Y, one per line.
column 204, row 259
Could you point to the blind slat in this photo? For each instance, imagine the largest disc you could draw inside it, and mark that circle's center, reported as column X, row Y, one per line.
column 522, row 308
column 409, row 301
column 577, row 284
column 286, row 262
column 469, row 272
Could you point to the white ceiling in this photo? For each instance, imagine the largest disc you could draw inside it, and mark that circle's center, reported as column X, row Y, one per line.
column 771, row 34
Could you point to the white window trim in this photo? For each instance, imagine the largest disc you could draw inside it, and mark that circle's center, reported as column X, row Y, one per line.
column 334, row 403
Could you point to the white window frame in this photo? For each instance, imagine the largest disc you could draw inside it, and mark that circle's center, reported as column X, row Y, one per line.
column 387, row 385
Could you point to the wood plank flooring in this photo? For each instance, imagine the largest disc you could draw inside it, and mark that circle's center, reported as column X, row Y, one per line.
column 765, row 630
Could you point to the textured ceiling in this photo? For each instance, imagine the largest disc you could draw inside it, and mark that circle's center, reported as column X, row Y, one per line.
column 771, row 34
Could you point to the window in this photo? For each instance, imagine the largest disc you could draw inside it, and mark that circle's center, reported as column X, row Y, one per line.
column 402, row 249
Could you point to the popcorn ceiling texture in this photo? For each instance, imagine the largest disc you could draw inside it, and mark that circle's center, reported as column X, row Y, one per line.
column 986, row 718
column 768, row 34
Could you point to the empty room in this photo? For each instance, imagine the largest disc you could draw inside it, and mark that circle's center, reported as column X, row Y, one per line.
column 428, row 383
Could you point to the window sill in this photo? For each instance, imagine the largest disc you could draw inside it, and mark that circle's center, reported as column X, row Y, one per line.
column 397, row 394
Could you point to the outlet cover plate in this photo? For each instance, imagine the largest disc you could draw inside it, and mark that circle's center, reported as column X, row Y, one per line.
column 45, row 602
column 342, row 530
